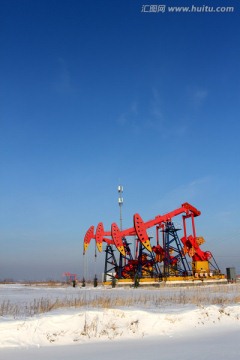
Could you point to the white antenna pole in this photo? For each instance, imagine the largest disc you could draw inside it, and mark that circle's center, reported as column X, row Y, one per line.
column 120, row 202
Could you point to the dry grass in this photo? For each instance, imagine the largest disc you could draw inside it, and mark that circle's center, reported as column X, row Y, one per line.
column 200, row 296
column 7, row 308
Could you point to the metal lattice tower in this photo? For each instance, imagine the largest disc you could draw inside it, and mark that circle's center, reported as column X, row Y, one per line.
column 120, row 202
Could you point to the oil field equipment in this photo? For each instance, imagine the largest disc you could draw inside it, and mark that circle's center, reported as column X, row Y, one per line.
column 131, row 255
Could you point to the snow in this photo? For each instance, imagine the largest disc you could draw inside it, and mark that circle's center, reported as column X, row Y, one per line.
column 147, row 327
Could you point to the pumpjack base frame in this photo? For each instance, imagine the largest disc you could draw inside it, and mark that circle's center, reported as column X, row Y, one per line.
column 173, row 280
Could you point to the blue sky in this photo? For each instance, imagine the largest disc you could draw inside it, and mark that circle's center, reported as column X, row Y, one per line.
column 94, row 94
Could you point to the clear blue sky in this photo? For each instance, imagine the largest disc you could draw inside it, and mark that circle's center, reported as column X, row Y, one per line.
column 94, row 94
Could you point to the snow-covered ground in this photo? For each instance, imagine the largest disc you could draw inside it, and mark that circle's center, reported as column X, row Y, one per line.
column 167, row 323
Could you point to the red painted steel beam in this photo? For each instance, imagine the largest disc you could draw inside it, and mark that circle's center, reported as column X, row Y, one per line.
column 87, row 238
column 117, row 238
column 139, row 229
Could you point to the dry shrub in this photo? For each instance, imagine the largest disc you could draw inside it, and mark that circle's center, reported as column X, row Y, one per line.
column 205, row 295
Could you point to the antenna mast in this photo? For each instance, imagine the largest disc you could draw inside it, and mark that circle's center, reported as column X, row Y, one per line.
column 120, row 202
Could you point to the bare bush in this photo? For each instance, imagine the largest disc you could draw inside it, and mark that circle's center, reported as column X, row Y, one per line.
column 222, row 295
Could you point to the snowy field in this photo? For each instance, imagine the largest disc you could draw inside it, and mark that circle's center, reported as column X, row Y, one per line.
column 200, row 322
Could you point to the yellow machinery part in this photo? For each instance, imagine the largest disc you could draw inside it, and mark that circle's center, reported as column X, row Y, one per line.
column 200, row 240
column 99, row 246
column 200, row 266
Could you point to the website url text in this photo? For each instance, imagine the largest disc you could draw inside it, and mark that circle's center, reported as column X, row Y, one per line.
column 186, row 9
